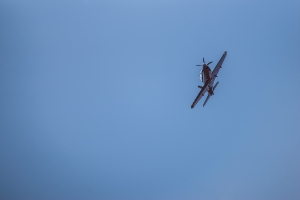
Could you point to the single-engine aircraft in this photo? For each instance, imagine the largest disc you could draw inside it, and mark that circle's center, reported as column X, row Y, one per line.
column 208, row 77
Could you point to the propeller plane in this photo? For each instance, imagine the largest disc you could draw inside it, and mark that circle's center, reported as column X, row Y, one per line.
column 208, row 77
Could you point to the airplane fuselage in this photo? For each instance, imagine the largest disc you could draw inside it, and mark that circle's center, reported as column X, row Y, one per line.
column 205, row 75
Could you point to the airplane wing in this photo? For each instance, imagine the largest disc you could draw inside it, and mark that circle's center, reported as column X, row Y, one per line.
column 218, row 66
column 201, row 94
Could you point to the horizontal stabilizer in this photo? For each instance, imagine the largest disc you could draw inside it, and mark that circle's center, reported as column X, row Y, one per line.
column 215, row 85
column 208, row 96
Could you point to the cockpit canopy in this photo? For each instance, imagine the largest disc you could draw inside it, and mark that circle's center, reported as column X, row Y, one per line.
column 201, row 75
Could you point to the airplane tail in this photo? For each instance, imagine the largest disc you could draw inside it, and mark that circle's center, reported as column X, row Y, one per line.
column 215, row 86
column 208, row 96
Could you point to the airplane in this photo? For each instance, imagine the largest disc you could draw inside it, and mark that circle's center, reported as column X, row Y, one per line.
column 208, row 77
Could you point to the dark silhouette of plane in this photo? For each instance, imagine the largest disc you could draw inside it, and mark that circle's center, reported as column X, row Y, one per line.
column 208, row 77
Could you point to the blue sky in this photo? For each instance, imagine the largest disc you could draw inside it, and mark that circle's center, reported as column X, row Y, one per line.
column 96, row 95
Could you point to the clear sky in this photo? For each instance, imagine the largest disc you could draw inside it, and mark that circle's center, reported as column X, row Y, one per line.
column 96, row 95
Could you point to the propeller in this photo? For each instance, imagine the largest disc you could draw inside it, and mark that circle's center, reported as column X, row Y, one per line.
column 204, row 63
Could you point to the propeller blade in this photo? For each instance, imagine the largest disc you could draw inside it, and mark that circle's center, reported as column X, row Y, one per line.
column 203, row 60
column 199, row 65
column 209, row 63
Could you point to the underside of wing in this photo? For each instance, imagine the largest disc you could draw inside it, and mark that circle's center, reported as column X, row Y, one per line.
column 219, row 65
column 201, row 94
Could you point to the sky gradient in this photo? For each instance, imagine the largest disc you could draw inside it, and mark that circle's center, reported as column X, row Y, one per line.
column 96, row 95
